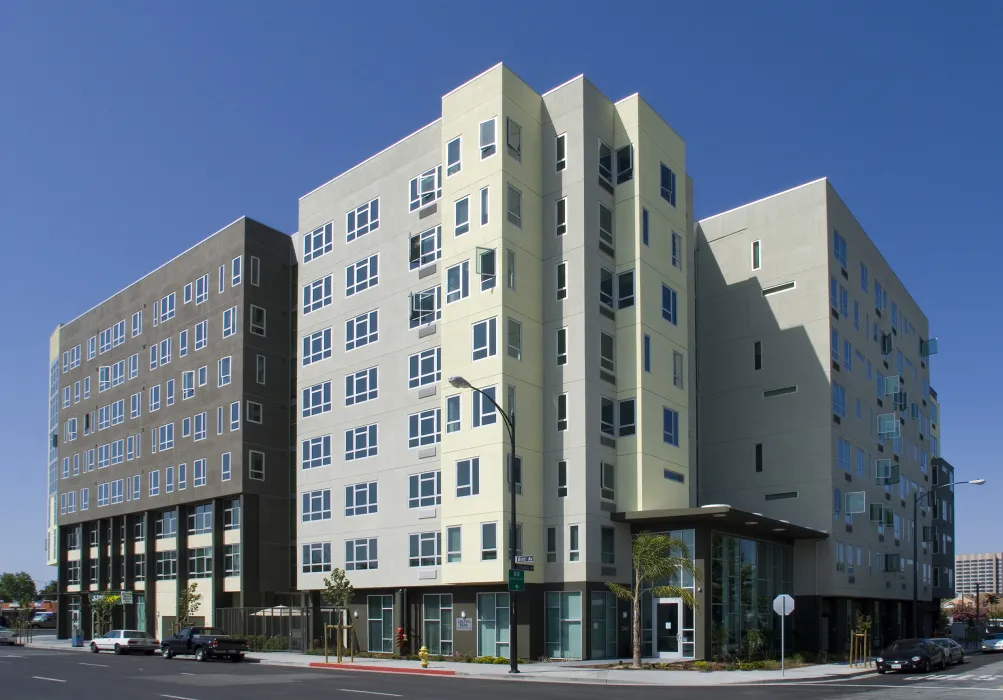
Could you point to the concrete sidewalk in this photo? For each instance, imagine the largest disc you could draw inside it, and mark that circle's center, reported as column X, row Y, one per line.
column 553, row 672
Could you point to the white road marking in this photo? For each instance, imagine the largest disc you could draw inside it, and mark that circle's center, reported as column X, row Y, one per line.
column 370, row 692
column 54, row 680
column 183, row 673
column 176, row 697
column 84, row 663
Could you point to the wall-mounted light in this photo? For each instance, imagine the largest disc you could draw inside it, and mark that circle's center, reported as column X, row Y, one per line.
column 356, row 614
column 463, row 613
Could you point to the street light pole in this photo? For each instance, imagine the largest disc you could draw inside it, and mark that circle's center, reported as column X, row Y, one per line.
column 509, row 420
column 917, row 533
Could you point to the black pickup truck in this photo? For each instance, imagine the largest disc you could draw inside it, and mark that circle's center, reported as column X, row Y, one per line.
column 204, row 643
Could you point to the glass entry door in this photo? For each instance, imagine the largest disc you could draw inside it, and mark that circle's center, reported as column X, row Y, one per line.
column 668, row 633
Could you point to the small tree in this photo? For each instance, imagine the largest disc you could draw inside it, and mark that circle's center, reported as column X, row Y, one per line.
column 189, row 600
column 338, row 590
column 102, row 607
column 17, row 587
column 655, row 558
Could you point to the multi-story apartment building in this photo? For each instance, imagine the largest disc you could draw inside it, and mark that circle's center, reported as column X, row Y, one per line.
column 984, row 571
column 169, row 435
column 815, row 405
column 539, row 247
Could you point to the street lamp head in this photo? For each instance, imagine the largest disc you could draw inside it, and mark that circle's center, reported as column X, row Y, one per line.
column 977, row 482
column 459, row 383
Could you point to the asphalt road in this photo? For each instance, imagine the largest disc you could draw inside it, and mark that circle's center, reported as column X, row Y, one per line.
column 63, row 675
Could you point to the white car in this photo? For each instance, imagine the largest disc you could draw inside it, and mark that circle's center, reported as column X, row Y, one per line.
column 7, row 636
column 125, row 642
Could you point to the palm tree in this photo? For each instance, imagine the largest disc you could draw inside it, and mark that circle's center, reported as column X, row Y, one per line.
column 655, row 558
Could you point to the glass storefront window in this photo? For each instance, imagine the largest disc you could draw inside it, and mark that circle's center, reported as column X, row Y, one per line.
column 604, row 625
column 564, row 625
column 492, row 624
column 685, row 640
column 438, row 627
column 381, row 623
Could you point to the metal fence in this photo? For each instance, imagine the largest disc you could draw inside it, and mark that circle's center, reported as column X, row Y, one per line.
column 278, row 628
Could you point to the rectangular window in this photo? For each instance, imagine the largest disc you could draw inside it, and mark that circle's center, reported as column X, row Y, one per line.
column 317, row 294
column 187, row 385
column 201, row 334
column 229, row 322
column 627, row 417
column 424, row 490
column 514, row 340
column 605, row 163
column 510, row 269
column 458, row 282
column 167, row 308
column 468, row 477
column 362, row 220
column 425, row 549
column 424, row 367
column 222, row 278
column 668, row 184
column 461, row 216
column 255, row 271
column 513, row 138
column 759, row 456
column 454, row 545
column 361, row 555
column 677, row 369
column 562, row 280
column 484, row 339
column 201, row 426
column 485, row 211
column 137, row 323
column 316, row 347
column 236, row 271
column 453, row 152
column 153, row 479
column 670, row 426
column 757, row 261
column 155, row 398
column 223, row 370
column 362, row 330
column 361, row 386
column 316, row 399
column 863, row 278
column 316, row 452
column 669, row 305
column 607, row 544
column 425, row 188
column 561, row 152
column 199, row 470
column 317, row 558
column 235, row 414
column 513, row 205
column 489, row 541
column 838, row 400
column 606, row 228
column 257, row 320
column 839, row 247
column 316, row 243
column 425, row 247
column 624, row 164
column 757, row 353
column 607, row 345
column 562, row 412
column 361, row 499
column 453, row 413
column 562, row 346
column 361, row 442
column 486, row 131
column 316, row 505
column 424, row 428
column 573, row 551
column 484, row 412
column 169, row 386
column 625, row 289
column 561, row 217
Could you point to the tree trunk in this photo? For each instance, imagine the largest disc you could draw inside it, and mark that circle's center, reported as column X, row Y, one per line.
column 636, row 627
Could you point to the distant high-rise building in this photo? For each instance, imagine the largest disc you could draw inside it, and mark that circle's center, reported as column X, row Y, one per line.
column 984, row 570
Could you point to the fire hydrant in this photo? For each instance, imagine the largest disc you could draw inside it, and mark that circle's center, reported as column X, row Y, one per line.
column 423, row 655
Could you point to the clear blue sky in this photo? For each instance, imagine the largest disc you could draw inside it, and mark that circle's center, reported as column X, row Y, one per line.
column 129, row 131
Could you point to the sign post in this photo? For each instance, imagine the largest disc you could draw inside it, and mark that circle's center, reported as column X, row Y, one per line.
column 783, row 605
column 516, row 581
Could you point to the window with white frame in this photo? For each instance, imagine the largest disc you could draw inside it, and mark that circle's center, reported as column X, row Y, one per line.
column 229, row 322
column 514, row 338
column 488, row 137
column 317, row 294
column 625, row 289
column 187, row 385
column 199, row 472
column 165, row 437
column 361, row 442
column 222, row 278
column 485, row 208
column 605, row 163
column 424, row 367
column 153, row 480
column 624, row 164
column 201, row 289
column 362, row 330
column 362, row 275
column 424, row 490
column 362, row 220
column 155, row 397
column 316, row 452
column 562, row 412
column 461, row 216
column 257, row 320
column 561, row 216
column 484, row 412
column 484, row 338
column 255, row 271
column 669, row 305
column 203, row 375
column 426, row 307
column 361, row 386
column 425, row 188
column 236, row 271
column 118, row 334
column 183, row 343
column 424, row 428
column 425, row 247
column 513, row 138
column 255, row 413
column 607, row 481
column 223, row 368
column 92, row 347
column 670, row 426
column 677, row 250
column 201, row 334
column 235, row 415
column 104, row 341
column 425, row 549
column 489, row 541
column 458, row 282
column 316, row 346
column 316, row 399
column 453, row 156
column 167, row 307
column 187, row 296
column 560, row 152
column 626, row 417
column 668, row 184
column 316, row 505
column 318, row 242
column 453, row 413
column 137, row 323
column 361, row 554
column 468, row 477
column 201, row 426
column 317, row 558
column 607, row 347
column 513, row 205
column 361, row 499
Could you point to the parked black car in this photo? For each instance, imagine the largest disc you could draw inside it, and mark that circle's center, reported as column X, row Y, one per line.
column 204, row 643
column 911, row 655
column 954, row 651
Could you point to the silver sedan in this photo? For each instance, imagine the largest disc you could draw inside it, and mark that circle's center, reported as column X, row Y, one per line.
column 125, row 642
column 7, row 636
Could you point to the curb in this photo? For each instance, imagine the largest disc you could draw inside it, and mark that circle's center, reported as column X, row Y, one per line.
column 383, row 669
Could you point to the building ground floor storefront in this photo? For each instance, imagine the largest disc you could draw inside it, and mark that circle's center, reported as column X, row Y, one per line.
column 826, row 623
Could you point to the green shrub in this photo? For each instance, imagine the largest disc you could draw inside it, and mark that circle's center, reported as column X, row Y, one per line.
column 701, row 665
